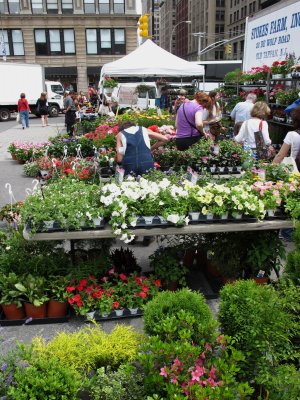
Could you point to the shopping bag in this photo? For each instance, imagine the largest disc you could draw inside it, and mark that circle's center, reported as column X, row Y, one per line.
column 18, row 119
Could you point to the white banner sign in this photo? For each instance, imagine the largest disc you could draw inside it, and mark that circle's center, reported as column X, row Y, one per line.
column 273, row 36
column 127, row 95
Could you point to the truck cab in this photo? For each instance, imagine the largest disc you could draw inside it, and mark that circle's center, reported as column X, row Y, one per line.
column 55, row 92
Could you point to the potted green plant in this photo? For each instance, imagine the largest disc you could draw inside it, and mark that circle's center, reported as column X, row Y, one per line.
column 57, row 305
column 109, row 84
column 278, row 69
column 168, row 267
column 11, row 298
column 33, row 289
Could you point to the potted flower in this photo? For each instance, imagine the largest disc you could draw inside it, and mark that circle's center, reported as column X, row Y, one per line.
column 279, row 115
column 45, row 166
column 270, row 195
column 57, row 306
column 11, row 298
column 109, row 84
column 168, row 267
column 278, row 69
column 103, row 304
column 35, row 296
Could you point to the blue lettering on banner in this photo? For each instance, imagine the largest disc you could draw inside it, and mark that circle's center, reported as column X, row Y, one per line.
column 278, row 25
column 260, row 31
column 284, row 39
column 295, row 20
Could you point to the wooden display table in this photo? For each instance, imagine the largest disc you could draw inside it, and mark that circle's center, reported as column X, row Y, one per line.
column 170, row 230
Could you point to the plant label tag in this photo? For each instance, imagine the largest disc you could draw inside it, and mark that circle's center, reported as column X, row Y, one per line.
column 262, row 174
column 216, row 150
column 120, row 172
column 261, row 273
column 191, row 176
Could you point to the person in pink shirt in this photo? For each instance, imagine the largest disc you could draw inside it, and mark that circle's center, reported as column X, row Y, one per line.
column 24, row 110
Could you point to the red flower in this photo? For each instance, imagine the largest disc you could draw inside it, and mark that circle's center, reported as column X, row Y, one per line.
column 70, row 300
column 70, row 288
column 138, row 280
column 275, row 63
column 143, row 295
column 145, row 288
column 283, row 63
column 111, row 271
column 116, row 304
column 123, row 277
column 77, row 297
column 157, row 283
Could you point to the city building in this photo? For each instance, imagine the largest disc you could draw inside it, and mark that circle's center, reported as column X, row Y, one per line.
column 236, row 13
column 206, row 24
column 72, row 39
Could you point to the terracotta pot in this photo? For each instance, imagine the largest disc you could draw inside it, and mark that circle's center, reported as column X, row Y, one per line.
column 226, row 279
column 188, row 259
column 11, row 311
column 172, row 286
column 261, row 281
column 56, row 309
column 13, row 156
column 21, row 161
column 35, row 312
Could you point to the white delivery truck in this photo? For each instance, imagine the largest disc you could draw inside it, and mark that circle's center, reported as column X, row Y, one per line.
column 18, row 78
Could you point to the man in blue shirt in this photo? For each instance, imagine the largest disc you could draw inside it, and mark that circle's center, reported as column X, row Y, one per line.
column 242, row 110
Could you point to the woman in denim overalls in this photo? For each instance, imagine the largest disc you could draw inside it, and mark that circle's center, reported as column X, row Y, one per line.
column 133, row 148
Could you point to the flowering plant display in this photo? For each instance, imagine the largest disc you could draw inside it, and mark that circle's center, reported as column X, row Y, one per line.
column 24, row 151
column 109, row 82
column 279, row 67
column 45, row 163
column 269, row 192
column 257, row 73
column 111, row 292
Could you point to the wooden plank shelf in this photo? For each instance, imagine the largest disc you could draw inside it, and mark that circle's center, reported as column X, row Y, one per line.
column 170, row 230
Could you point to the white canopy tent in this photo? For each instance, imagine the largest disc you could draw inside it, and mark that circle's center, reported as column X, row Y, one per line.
column 151, row 60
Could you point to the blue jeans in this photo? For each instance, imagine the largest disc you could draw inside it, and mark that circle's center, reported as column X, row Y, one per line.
column 25, row 118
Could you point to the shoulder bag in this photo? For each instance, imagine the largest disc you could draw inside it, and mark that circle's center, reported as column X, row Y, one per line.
column 264, row 152
column 189, row 122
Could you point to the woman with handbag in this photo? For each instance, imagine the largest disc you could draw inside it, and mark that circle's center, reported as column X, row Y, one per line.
column 291, row 143
column 255, row 132
column 42, row 108
column 189, row 121
column 212, row 117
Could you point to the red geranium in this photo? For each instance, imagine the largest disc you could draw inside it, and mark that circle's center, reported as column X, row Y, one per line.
column 70, row 288
column 143, row 295
column 116, row 304
column 123, row 277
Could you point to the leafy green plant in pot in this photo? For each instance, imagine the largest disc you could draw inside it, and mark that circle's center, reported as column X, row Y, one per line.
column 58, row 305
column 34, row 291
column 168, row 267
column 11, row 298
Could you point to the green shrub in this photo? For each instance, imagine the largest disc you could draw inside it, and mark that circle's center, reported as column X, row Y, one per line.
column 254, row 315
column 282, row 383
column 167, row 304
column 124, row 384
column 45, row 379
column 90, row 348
column 182, row 370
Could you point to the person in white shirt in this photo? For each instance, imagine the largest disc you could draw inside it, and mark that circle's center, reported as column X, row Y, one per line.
column 246, row 134
column 242, row 110
column 291, row 143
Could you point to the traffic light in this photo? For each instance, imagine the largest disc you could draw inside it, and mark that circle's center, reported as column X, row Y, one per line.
column 228, row 49
column 144, row 27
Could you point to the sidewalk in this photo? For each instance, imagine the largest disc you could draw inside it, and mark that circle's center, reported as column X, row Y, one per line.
column 12, row 171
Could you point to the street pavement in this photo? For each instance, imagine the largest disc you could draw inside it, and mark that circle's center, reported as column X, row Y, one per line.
column 11, row 171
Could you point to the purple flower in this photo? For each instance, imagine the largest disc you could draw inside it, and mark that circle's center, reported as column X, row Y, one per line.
column 3, row 366
column 28, row 320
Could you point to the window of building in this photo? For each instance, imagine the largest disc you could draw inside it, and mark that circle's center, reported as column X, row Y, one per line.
column 245, row 11
column 231, row 18
column 230, row 3
column 104, row 6
column 250, row 8
column 89, row 7
column 105, row 41
column 52, row 6
column 119, row 6
column 220, row 3
column 234, row 16
column 13, row 7
column 253, row 6
column 67, row 6
column 1, row 6
column 242, row 43
column 13, row 42
column 37, row 6
column 235, row 48
column 54, row 42
column 230, row 33
column 220, row 15
column 238, row 14
column 219, row 29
